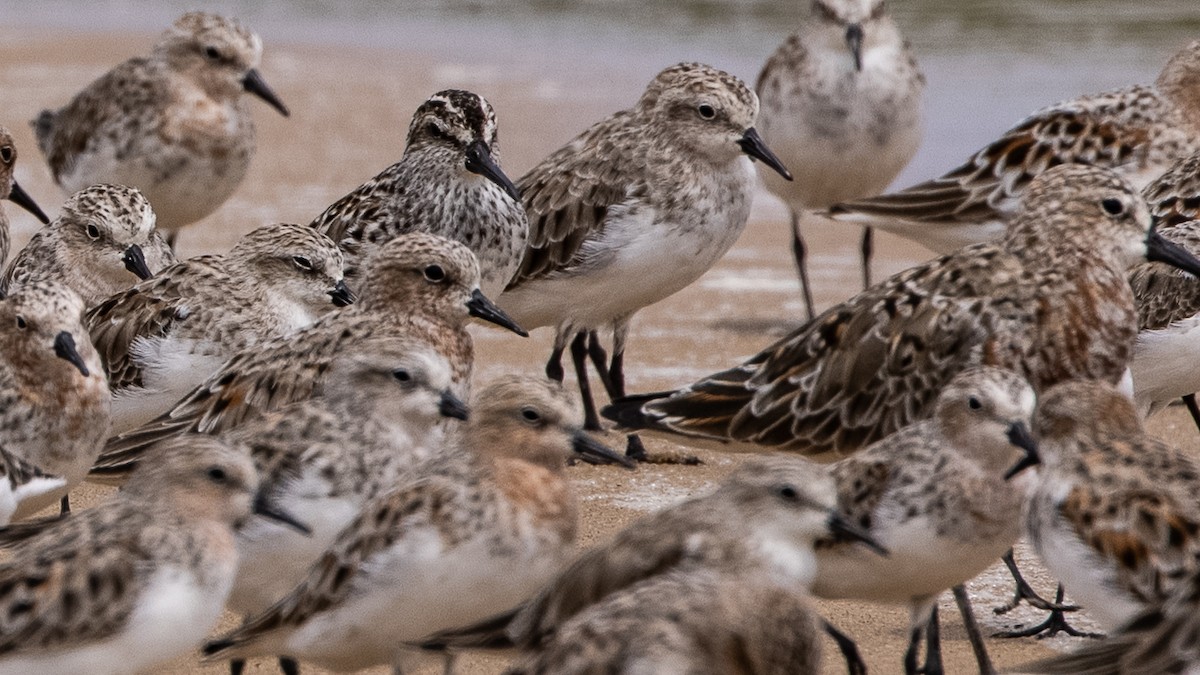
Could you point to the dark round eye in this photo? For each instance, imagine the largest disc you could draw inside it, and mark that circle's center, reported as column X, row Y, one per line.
column 531, row 415
column 402, row 375
column 435, row 273
column 706, row 111
column 302, row 262
column 217, row 474
column 1113, row 207
column 93, row 231
column 6, row 154
column 788, row 492
column 21, row 323
column 212, row 53
column 974, row 403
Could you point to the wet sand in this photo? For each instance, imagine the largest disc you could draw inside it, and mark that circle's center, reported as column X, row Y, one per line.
column 350, row 114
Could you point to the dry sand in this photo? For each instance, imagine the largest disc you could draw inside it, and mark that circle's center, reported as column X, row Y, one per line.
column 350, row 113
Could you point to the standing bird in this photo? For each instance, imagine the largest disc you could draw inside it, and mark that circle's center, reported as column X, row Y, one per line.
column 418, row 286
column 54, row 401
column 471, row 535
column 103, row 242
column 11, row 191
column 841, row 106
column 1169, row 302
column 174, row 124
column 1139, row 132
column 935, row 494
column 448, row 183
column 163, row 337
column 137, row 581
column 1049, row 301
column 1114, row 513
column 632, row 211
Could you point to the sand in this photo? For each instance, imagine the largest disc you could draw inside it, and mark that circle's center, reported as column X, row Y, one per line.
column 350, row 113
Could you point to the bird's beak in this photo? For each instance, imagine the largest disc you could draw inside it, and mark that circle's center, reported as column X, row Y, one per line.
column 752, row 144
column 264, row 508
column 840, row 526
column 854, row 40
column 135, row 261
column 453, row 406
column 479, row 160
column 19, row 197
column 64, row 348
column 1163, row 250
column 1018, row 435
column 593, row 451
column 341, row 294
column 479, row 306
column 255, row 84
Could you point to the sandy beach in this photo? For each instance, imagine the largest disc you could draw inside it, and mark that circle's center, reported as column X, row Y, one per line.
column 351, row 108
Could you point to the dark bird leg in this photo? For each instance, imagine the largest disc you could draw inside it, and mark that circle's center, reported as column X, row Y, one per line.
column 289, row 666
column 913, row 651
column 237, row 666
column 1053, row 625
column 1025, row 592
column 933, row 645
column 1189, row 400
column 801, row 254
column 591, row 420
column 868, row 250
column 64, row 505
column 973, row 633
column 854, row 661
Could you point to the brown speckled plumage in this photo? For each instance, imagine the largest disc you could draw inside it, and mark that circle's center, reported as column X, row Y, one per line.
column 431, row 190
column 1049, row 301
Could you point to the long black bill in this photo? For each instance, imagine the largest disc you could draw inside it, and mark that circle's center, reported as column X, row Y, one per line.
column 64, row 348
column 1163, row 250
column 265, row 509
column 19, row 197
column 479, row 306
column 453, row 406
column 842, row 527
column 135, row 261
column 479, row 160
column 753, row 145
column 593, row 451
column 255, row 84
column 341, row 294
column 854, row 40
column 1018, row 435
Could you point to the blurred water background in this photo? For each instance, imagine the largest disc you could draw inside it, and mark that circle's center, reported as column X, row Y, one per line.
column 988, row 62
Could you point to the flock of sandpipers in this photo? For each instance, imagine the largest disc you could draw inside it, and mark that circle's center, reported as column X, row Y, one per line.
column 294, row 433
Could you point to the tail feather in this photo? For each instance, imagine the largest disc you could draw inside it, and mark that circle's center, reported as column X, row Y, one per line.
column 490, row 633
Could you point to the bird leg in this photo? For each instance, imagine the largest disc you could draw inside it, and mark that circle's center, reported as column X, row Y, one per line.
column 554, row 369
column 1025, row 592
column 801, row 254
column 933, row 645
column 868, row 249
column 289, row 666
column 1189, row 400
column 236, row 666
column 64, row 505
column 1053, row 625
column 854, row 661
column 973, row 633
column 591, row 420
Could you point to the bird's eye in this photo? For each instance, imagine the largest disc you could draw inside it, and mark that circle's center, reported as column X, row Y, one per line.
column 93, row 231
column 21, row 323
column 706, row 111
column 402, row 375
column 216, row 474
column 212, row 53
column 530, row 415
column 302, row 262
column 974, row 403
column 1113, row 207
column 435, row 273
column 787, row 492
column 6, row 154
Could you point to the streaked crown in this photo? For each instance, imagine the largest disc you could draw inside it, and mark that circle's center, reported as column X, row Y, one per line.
column 454, row 116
